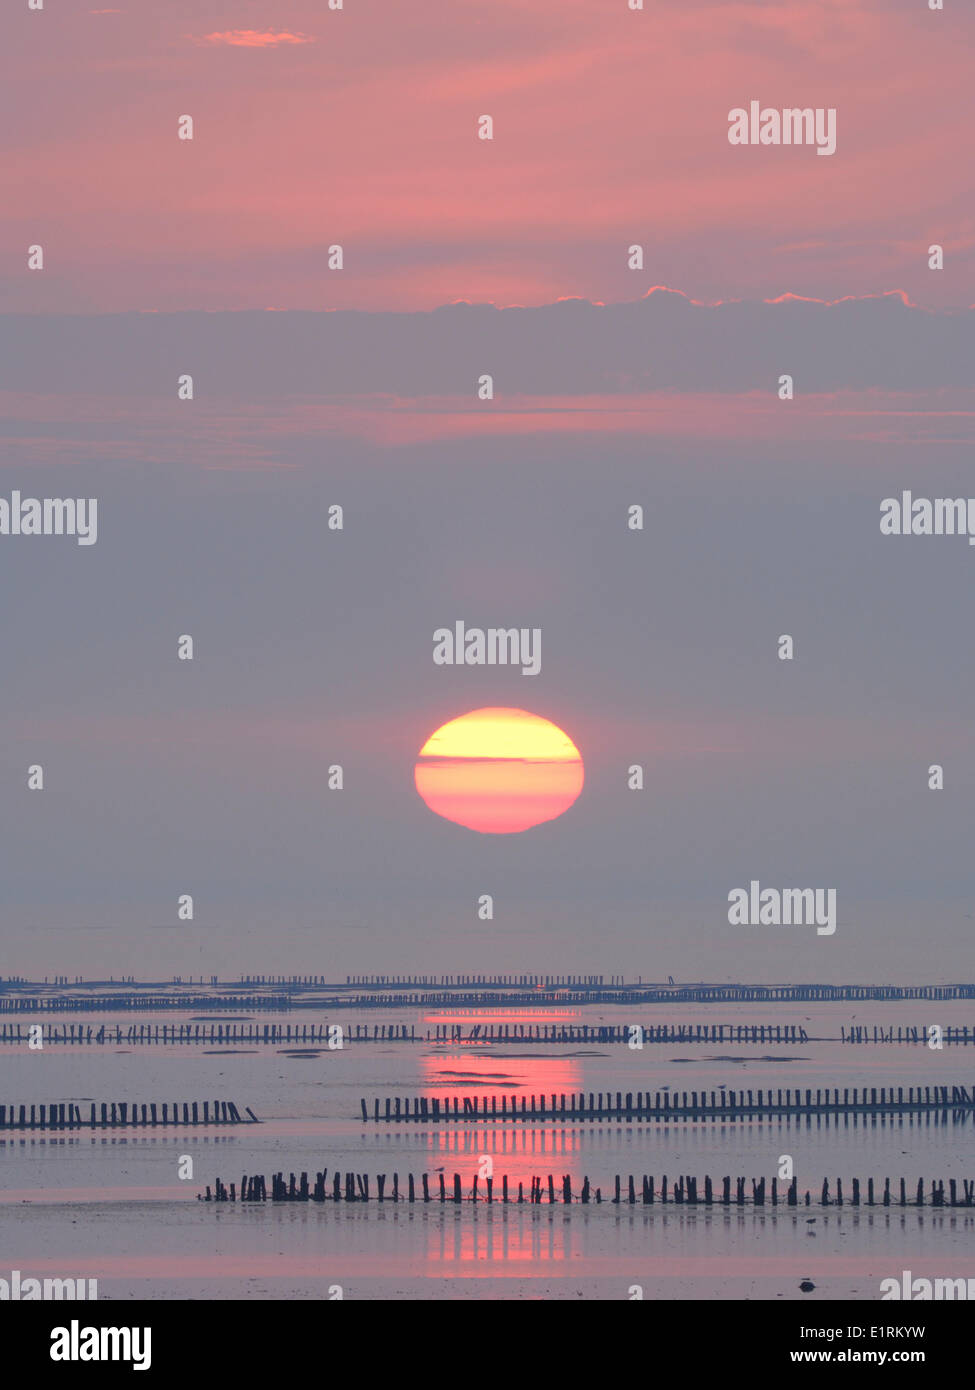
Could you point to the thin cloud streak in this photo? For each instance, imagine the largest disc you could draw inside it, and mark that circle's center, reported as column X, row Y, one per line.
column 253, row 38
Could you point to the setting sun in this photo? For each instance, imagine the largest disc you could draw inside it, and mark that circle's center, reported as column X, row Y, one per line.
column 499, row 771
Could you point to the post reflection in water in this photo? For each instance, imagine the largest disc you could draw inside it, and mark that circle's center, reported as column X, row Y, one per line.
column 500, row 1238
column 518, row 1149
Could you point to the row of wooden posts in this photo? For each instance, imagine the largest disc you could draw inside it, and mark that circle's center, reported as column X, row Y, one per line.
column 631, row 1034
column 618, row 989
column 949, row 1034
column 451, row 981
column 656, row 1105
column 222, row 1034
column 73, row 1001
column 332, row 1035
column 227, row 1034
column 33, row 998
column 123, row 1114
column 354, row 1187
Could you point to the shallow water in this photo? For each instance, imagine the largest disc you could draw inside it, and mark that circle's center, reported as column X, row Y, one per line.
column 111, row 1205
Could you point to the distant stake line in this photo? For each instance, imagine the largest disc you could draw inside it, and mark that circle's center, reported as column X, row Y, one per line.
column 65, row 1115
column 683, row 1191
column 664, row 1105
column 632, row 1034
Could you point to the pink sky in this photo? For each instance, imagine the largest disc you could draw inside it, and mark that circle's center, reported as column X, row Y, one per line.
column 358, row 127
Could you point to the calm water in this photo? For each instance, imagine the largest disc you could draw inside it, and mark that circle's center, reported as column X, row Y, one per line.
column 112, row 1206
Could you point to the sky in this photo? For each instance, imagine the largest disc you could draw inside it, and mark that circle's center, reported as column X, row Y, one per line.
column 359, row 388
column 358, row 127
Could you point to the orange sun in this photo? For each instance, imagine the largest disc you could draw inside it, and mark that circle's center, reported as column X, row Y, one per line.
column 499, row 771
